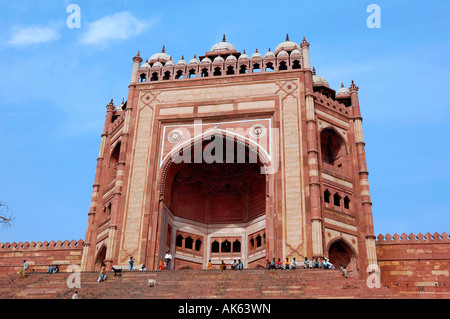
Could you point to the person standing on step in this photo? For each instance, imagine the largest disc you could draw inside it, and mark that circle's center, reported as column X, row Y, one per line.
column 130, row 263
column 168, row 258
column 23, row 271
column 102, row 275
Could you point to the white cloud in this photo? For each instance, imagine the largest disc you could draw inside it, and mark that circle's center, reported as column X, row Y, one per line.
column 119, row 26
column 35, row 34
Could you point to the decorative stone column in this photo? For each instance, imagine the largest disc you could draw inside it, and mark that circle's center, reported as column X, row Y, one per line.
column 363, row 179
column 313, row 157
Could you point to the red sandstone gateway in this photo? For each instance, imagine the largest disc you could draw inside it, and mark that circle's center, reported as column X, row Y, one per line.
column 230, row 157
column 236, row 157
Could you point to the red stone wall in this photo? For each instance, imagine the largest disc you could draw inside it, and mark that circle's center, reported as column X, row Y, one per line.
column 415, row 263
column 39, row 255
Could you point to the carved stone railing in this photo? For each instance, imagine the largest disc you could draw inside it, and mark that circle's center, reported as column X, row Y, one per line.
column 413, row 238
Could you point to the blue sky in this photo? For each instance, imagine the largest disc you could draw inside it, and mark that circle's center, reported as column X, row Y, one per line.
column 55, row 83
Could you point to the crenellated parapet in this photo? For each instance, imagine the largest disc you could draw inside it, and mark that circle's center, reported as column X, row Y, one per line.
column 45, row 245
column 435, row 238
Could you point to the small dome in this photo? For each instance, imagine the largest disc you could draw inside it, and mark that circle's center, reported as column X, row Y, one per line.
column 194, row 60
column 206, row 60
column 287, row 46
column 256, row 55
column 169, row 63
column 145, row 65
column 269, row 54
column 157, row 65
column 317, row 79
column 296, row 52
column 343, row 90
column 218, row 59
column 181, row 62
column 222, row 46
column 282, row 53
column 244, row 56
column 161, row 57
column 231, row 58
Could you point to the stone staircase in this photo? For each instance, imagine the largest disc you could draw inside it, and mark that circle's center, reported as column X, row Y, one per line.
column 196, row 284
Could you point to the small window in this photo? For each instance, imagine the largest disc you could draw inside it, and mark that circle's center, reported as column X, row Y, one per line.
column 269, row 67
column 198, row 245
column 143, row 78
column 154, row 77
column 166, row 75
column 243, row 69
column 236, row 246
column 179, row 74
column 346, row 202
column 256, row 68
column 217, row 71
column 179, row 241
column 204, row 73
column 215, row 247
column 230, row 70
column 258, row 241
column 282, row 66
column 188, row 242
column 296, row 65
column 192, row 73
column 226, row 247
column 326, row 196
column 337, row 200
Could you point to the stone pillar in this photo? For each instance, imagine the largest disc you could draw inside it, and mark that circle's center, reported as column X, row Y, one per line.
column 90, row 233
column 137, row 63
column 313, row 157
column 367, row 220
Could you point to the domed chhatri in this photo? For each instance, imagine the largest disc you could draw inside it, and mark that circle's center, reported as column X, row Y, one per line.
column 162, row 57
column 287, row 46
column 223, row 46
column 343, row 90
column 318, row 80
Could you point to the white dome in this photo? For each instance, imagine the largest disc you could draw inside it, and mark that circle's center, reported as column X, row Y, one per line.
column 222, row 46
column 343, row 90
column 218, row 59
column 256, row 55
column 162, row 57
column 287, row 46
column 194, row 60
column 181, row 62
column 269, row 54
column 157, row 64
column 282, row 53
column 145, row 65
column 244, row 56
column 206, row 60
column 169, row 63
column 231, row 58
column 319, row 80
column 296, row 51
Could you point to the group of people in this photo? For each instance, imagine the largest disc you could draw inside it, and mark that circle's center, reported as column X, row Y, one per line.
column 235, row 265
column 53, row 269
column 293, row 264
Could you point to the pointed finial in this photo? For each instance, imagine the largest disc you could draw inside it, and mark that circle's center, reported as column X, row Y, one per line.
column 304, row 43
column 137, row 58
column 287, row 37
column 182, row 57
column 163, row 49
column 224, row 39
column 314, row 70
column 244, row 51
column 342, row 85
column 256, row 50
column 195, row 56
column 269, row 49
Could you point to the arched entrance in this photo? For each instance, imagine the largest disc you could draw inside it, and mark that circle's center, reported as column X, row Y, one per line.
column 99, row 261
column 340, row 253
column 214, row 205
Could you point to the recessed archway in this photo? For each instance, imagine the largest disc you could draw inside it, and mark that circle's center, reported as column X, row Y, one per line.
column 340, row 253
column 201, row 197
